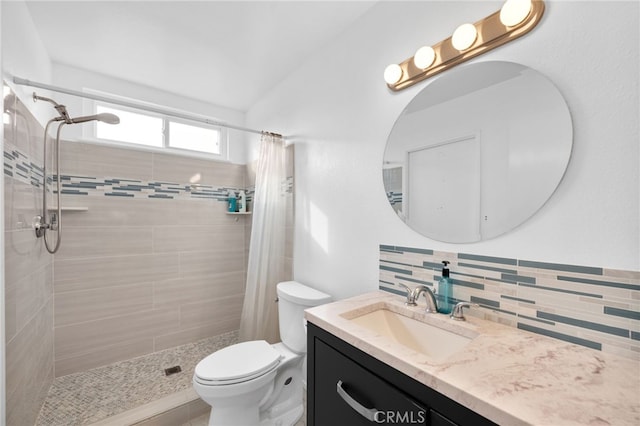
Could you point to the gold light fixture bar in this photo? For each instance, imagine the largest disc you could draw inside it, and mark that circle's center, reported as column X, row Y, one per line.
column 491, row 33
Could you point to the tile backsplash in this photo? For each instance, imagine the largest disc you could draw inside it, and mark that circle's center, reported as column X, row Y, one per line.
column 590, row 306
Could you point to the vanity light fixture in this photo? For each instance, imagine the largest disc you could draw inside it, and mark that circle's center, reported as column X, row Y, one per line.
column 513, row 20
column 514, row 11
column 424, row 57
column 392, row 74
column 464, row 36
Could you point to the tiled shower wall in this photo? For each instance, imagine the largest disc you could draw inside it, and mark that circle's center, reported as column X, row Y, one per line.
column 28, row 270
column 153, row 262
column 590, row 306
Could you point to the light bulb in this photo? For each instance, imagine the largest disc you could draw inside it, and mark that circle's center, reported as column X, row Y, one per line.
column 392, row 74
column 464, row 36
column 514, row 11
column 424, row 57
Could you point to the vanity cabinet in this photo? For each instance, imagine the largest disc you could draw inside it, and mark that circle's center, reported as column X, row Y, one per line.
column 348, row 387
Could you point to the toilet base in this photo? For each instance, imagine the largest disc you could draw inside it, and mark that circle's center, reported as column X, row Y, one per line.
column 288, row 418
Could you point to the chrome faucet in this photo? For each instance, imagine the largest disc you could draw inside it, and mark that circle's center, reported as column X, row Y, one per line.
column 458, row 313
column 414, row 295
column 432, row 304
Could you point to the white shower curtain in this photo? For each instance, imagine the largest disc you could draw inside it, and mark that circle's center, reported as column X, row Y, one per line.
column 266, row 250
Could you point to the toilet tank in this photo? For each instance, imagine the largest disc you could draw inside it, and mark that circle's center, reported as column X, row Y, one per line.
column 294, row 298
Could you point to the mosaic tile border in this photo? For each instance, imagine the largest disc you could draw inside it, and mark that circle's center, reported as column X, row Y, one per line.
column 17, row 165
column 131, row 188
column 589, row 306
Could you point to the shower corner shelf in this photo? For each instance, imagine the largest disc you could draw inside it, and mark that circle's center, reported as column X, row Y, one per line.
column 238, row 212
column 70, row 209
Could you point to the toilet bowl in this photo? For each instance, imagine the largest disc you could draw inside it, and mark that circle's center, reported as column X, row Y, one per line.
column 256, row 383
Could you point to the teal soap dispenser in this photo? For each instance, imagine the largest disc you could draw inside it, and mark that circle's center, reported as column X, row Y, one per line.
column 445, row 291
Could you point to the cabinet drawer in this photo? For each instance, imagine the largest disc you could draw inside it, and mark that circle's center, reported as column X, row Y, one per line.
column 381, row 402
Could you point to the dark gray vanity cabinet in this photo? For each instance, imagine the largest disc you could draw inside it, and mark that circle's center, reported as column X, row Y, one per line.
column 347, row 387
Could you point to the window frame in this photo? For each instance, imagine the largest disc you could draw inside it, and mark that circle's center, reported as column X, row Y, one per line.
column 89, row 131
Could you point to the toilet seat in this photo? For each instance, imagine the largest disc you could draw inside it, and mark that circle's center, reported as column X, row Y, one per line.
column 237, row 363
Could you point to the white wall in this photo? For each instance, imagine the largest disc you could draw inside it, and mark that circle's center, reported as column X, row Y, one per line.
column 339, row 111
column 24, row 55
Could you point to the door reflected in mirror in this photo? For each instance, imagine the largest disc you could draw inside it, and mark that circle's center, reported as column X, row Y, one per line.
column 477, row 152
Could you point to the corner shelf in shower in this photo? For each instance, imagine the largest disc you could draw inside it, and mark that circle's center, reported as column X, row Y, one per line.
column 238, row 212
column 70, row 209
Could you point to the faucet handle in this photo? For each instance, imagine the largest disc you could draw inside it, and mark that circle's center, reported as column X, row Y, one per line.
column 411, row 299
column 458, row 313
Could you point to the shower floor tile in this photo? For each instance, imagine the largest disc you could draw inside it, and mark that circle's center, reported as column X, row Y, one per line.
column 94, row 395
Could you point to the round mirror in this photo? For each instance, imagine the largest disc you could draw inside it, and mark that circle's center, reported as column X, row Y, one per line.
column 477, row 152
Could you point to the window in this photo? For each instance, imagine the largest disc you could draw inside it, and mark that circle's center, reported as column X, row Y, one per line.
column 133, row 128
column 194, row 138
column 153, row 130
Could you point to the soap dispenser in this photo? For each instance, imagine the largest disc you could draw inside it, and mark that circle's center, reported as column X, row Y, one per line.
column 232, row 202
column 242, row 202
column 445, row 290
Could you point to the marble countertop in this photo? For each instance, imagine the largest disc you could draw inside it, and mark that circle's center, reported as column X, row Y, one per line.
column 509, row 376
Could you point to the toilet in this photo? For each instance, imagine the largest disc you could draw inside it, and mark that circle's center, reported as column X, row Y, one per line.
column 256, row 383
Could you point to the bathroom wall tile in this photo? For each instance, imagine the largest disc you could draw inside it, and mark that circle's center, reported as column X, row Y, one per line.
column 103, row 355
column 23, row 253
column 570, row 302
column 83, row 159
column 29, row 366
column 89, row 337
column 172, row 168
column 194, row 289
column 215, row 327
column 198, row 313
column 630, row 275
column 105, row 241
column 87, row 305
column 199, row 263
column 18, row 351
column 25, row 298
column 197, row 238
column 120, row 211
column 22, row 204
column 98, row 272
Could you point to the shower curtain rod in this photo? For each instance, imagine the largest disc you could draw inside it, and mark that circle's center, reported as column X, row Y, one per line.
column 25, row 82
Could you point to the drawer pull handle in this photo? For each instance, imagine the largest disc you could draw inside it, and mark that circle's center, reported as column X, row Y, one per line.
column 367, row 413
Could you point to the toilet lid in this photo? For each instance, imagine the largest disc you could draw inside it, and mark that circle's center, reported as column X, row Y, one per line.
column 237, row 363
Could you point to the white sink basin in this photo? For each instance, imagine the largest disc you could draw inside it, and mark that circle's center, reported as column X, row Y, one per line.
column 427, row 339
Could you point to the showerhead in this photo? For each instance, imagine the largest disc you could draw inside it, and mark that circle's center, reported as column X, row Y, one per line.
column 105, row 117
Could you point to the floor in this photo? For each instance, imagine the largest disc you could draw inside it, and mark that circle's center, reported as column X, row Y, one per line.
column 91, row 396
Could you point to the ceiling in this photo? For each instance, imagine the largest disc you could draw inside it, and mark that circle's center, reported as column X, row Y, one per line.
column 228, row 53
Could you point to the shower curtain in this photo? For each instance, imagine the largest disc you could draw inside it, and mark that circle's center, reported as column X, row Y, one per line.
column 265, row 269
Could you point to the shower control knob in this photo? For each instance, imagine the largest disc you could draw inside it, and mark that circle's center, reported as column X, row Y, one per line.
column 38, row 226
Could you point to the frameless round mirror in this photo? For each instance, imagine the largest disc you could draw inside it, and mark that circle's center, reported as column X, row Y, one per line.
column 477, row 152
